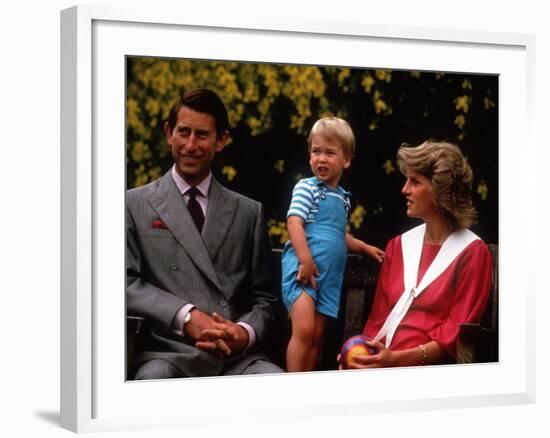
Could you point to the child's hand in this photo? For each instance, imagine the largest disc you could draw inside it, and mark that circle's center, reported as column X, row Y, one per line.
column 307, row 273
column 376, row 253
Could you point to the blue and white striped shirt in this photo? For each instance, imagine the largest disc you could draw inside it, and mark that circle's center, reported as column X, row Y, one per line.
column 306, row 195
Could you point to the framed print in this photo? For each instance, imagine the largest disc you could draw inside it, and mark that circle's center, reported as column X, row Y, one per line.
column 96, row 46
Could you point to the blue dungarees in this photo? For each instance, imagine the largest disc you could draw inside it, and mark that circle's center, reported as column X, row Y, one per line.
column 326, row 237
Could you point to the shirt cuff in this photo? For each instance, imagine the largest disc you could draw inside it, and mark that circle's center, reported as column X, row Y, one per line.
column 177, row 324
column 251, row 334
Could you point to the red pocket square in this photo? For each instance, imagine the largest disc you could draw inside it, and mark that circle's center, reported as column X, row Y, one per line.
column 159, row 224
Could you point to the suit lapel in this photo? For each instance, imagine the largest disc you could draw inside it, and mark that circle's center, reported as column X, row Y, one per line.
column 219, row 217
column 168, row 203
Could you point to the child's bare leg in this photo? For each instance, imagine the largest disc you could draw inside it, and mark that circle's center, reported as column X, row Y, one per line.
column 302, row 316
column 320, row 321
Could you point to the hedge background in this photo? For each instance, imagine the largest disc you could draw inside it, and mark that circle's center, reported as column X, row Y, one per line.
column 273, row 106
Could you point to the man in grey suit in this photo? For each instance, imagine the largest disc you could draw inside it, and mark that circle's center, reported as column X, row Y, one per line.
column 198, row 259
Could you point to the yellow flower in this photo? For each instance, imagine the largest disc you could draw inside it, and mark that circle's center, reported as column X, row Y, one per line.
column 277, row 229
column 229, row 172
column 132, row 107
column 324, row 104
column 367, row 83
column 388, row 167
column 383, row 75
column 251, row 93
column 280, row 166
column 482, row 190
column 297, row 122
column 254, row 125
column 154, row 173
column 140, row 151
column 141, row 177
column 462, row 103
column 357, row 216
column 488, row 103
column 264, row 106
column 460, row 121
column 152, row 106
column 343, row 75
column 141, row 180
column 380, row 106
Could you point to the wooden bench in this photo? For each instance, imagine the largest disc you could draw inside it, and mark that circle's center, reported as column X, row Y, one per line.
column 476, row 343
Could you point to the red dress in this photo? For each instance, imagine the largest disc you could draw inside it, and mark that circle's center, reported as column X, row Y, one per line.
column 458, row 295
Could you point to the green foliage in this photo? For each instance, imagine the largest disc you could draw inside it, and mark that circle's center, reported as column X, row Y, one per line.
column 272, row 107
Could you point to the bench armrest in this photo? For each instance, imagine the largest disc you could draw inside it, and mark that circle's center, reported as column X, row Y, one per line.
column 476, row 344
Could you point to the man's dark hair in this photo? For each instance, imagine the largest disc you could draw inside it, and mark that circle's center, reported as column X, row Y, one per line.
column 201, row 100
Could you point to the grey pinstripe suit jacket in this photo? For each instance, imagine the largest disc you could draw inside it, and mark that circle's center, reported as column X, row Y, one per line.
column 227, row 270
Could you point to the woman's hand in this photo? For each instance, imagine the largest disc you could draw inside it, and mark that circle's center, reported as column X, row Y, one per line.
column 384, row 357
column 426, row 354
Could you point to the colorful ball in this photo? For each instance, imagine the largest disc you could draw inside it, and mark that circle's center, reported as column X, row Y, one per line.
column 355, row 346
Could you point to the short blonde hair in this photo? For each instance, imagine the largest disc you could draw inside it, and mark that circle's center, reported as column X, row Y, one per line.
column 334, row 128
column 451, row 177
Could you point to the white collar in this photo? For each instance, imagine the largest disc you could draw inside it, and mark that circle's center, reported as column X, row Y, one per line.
column 411, row 247
column 183, row 185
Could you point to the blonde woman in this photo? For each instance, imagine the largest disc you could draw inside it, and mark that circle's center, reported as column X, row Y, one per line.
column 437, row 275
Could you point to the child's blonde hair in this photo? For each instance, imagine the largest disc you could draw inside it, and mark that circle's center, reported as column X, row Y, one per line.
column 334, row 128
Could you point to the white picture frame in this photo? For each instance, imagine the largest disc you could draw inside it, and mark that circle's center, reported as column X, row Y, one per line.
column 94, row 395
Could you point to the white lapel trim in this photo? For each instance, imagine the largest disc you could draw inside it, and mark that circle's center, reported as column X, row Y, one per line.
column 411, row 245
